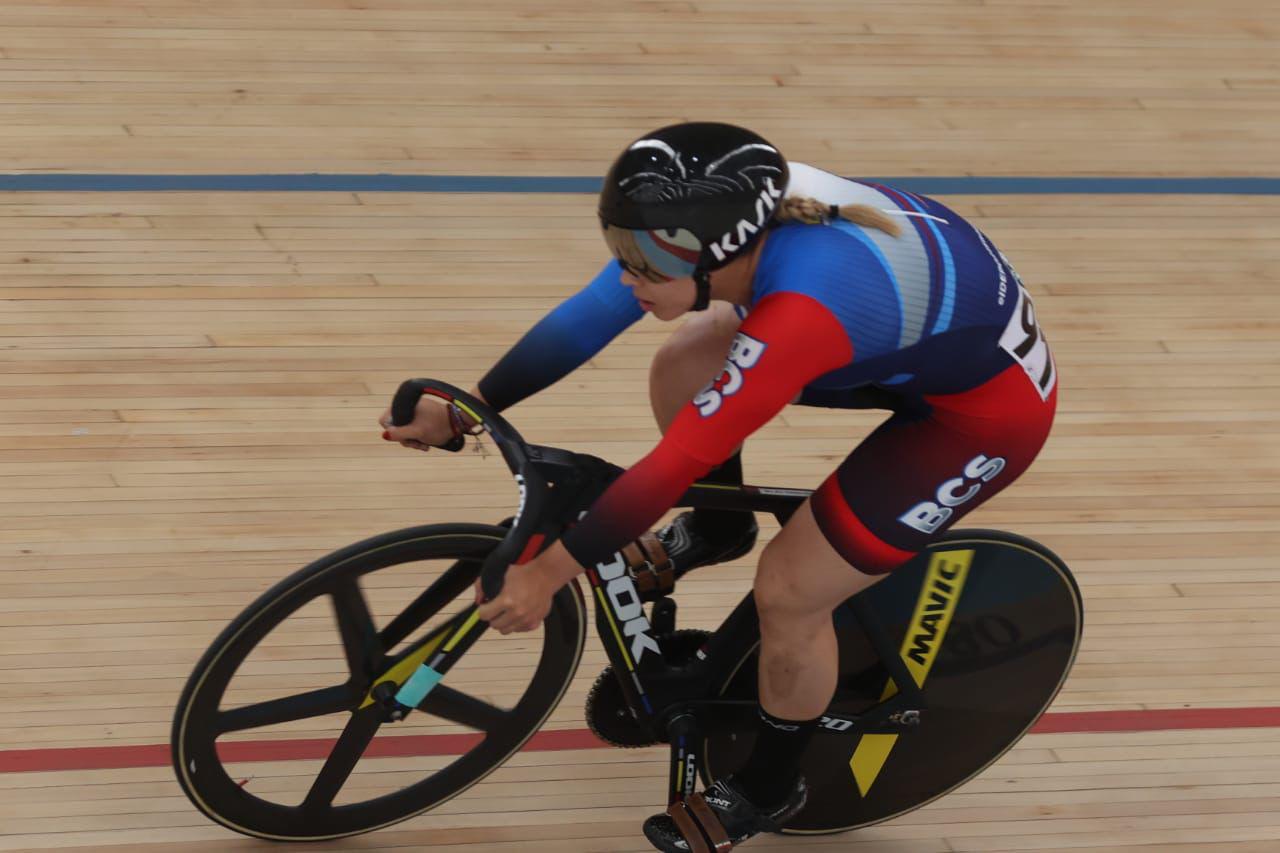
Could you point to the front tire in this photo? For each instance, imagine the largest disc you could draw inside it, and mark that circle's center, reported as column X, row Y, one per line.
column 460, row 734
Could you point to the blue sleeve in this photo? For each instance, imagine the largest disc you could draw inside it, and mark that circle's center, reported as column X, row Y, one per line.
column 571, row 333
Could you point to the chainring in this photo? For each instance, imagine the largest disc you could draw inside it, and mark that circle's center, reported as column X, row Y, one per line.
column 609, row 716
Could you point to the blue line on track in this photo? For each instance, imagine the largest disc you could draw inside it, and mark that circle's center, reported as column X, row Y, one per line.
column 565, row 184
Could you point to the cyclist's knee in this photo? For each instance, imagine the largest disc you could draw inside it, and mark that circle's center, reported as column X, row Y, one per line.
column 801, row 578
column 689, row 359
column 699, row 345
column 779, row 598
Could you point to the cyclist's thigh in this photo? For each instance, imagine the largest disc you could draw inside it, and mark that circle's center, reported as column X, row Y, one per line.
column 918, row 474
column 801, row 575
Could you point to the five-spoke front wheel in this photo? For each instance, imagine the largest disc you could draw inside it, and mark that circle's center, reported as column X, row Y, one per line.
column 290, row 678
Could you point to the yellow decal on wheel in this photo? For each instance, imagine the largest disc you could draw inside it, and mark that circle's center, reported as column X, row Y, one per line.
column 943, row 582
column 400, row 672
column 869, row 757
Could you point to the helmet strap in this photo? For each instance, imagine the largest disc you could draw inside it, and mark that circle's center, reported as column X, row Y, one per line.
column 702, row 280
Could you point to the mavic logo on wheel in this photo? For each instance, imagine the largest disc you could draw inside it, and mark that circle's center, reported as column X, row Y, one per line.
column 744, row 352
column 944, row 580
column 622, row 594
column 934, row 610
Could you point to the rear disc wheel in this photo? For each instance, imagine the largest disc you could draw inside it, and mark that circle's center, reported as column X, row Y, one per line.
column 991, row 669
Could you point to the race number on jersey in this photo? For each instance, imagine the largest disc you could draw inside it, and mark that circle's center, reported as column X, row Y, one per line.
column 1023, row 340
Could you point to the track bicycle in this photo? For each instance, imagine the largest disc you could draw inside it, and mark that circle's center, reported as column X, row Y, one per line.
column 944, row 665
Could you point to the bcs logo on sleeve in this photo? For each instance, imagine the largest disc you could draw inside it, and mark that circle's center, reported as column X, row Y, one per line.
column 744, row 352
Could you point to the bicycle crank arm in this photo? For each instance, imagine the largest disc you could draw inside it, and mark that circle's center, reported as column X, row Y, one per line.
column 684, row 736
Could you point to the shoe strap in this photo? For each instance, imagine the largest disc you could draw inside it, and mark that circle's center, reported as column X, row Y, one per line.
column 688, row 828
column 649, row 565
column 711, row 824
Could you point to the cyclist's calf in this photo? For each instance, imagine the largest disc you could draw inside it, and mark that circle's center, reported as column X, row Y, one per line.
column 799, row 581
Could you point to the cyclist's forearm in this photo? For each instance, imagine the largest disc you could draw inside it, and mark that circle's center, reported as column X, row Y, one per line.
column 536, row 362
column 547, row 353
column 633, row 503
column 559, row 565
column 572, row 332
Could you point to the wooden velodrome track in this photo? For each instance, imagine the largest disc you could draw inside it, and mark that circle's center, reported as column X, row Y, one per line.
column 189, row 379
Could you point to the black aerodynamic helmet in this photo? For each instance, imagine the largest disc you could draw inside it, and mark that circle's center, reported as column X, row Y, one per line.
column 686, row 199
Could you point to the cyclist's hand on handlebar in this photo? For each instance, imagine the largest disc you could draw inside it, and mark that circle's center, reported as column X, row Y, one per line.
column 524, row 602
column 430, row 426
column 528, row 589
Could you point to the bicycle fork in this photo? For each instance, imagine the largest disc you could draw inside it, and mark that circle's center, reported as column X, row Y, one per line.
column 404, row 687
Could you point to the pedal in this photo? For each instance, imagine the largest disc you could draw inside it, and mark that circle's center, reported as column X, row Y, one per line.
column 682, row 734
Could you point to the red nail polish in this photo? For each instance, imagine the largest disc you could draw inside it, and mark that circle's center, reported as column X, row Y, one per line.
column 386, row 436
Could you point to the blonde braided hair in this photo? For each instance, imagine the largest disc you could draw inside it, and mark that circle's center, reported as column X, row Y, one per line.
column 813, row 212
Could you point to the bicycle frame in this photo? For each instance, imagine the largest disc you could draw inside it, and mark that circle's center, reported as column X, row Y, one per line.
column 670, row 703
column 675, row 704
column 996, row 619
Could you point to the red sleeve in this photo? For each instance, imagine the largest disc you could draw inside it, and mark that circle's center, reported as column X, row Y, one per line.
column 786, row 342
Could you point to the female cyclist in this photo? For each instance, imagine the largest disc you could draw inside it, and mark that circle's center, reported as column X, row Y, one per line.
column 827, row 292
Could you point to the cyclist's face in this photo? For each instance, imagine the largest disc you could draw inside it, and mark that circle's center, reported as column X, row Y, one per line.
column 666, row 300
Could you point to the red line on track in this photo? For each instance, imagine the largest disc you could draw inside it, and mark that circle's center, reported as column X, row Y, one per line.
column 157, row 755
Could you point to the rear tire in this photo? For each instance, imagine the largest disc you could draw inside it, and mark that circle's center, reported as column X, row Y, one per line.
column 1010, row 644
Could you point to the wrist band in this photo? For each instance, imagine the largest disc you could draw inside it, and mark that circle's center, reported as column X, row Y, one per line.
column 455, row 421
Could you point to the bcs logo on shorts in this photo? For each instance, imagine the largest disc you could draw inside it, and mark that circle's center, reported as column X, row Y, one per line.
column 928, row 516
column 744, row 352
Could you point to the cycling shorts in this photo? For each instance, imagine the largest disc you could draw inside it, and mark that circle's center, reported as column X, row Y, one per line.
column 936, row 459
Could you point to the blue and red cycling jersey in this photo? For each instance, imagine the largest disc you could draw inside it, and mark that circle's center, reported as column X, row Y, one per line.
column 835, row 309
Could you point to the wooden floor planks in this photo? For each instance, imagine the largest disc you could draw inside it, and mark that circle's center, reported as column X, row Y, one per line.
column 189, row 381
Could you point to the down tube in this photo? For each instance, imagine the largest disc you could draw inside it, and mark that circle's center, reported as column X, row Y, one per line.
column 625, row 630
